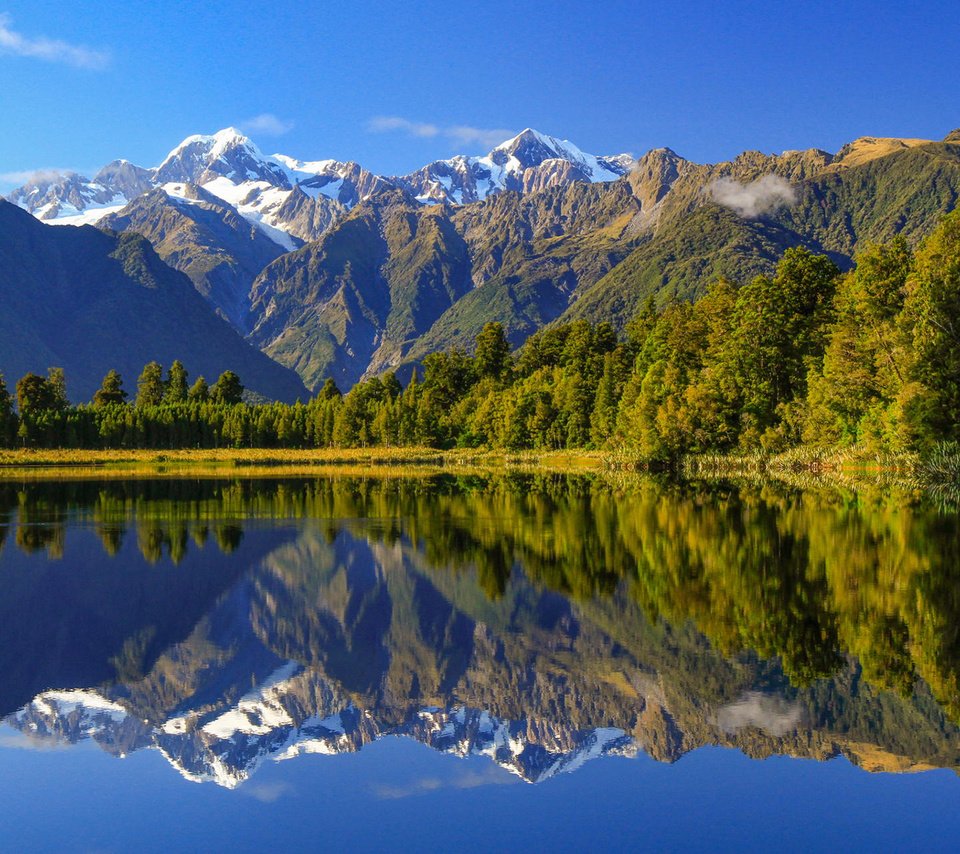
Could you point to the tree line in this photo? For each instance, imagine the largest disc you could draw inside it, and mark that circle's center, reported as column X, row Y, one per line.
column 808, row 355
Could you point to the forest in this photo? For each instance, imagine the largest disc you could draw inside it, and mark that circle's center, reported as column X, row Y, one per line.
column 810, row 356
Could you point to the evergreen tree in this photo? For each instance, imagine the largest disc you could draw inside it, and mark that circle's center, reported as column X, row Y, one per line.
column 176, row 385
column 329, row 390
column 492, row 356
column 34, row 395
column 110, row 392
column 932, row 309
column 57, row 382
column 150, row 388
column 227, row 389
column 199, row 392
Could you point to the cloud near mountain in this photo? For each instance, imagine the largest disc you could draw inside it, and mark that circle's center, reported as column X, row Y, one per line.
column 459, row 134
column 267, row 124
column 753, row 199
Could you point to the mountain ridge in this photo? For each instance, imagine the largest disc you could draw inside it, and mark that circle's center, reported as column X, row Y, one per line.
column 336, row 272
column 90, row 301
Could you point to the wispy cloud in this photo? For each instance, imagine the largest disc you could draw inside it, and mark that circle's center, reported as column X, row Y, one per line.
column 755, row 199
column 266, row 124
column 23, row 741
column 385, row 124
column 488, row 138
column 267, row 793
column 49, row 50
column 34, row 176
column 457, row 134
column 774, row 715
column 492, row 775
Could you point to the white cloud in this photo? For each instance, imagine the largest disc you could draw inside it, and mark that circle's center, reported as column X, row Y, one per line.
column 774, row 715
column 50, row 50
column 751, row 200
column 266, row 124
column 456, row 134
column 267, row 793
column 466, row 135
column 385, row 124
column 34, row 176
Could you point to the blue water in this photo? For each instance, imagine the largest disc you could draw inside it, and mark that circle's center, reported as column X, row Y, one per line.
column 316, row 665
column 398, row 795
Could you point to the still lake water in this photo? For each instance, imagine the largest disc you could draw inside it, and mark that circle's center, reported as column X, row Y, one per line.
column 476, row 663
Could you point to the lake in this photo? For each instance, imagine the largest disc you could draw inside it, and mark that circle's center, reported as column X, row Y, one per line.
column 477, row 662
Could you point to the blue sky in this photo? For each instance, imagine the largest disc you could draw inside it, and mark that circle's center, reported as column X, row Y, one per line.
column 395, row 85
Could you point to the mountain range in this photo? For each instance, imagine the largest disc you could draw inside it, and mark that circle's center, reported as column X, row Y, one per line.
column 334, row 271
column 333, row 639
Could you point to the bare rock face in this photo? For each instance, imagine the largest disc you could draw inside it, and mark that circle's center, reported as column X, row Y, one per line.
column 527, row 163
column 51, row 197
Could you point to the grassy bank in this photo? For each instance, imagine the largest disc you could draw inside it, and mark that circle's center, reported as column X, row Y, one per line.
column 252, row 462
column 937, row 472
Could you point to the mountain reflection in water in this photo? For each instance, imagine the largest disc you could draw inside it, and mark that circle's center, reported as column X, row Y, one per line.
column 539, row 621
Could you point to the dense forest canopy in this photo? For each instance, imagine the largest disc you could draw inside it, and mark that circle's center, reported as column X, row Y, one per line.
column 806, row 356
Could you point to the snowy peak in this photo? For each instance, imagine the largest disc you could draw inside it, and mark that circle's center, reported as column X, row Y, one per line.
column 227, row 154
column 69, row 198
column 526, row 163
column 291, row 198
column 531, row 148
column 125, row 179
column 227, row 746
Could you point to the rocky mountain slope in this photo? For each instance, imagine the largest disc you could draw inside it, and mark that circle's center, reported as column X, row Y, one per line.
column 290, row 198
column 91, row 301
column 334, row 271
column 599, row 250
column 334, row 641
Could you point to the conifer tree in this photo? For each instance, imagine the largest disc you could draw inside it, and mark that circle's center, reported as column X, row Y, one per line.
column 57, row 381
column 492, row 356
column 176, row 385
column 150, row 388
column 199, row 392
column 227, row 389
column 110, row 392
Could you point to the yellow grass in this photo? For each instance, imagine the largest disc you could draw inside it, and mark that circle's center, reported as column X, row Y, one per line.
column 252, row 462
column 869, row 148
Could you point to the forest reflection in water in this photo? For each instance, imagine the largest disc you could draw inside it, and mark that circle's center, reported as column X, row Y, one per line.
column 539, row 620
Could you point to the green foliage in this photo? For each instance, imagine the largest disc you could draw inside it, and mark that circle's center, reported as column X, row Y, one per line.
column 111, row 391
column 176, row 386
column 34, row 395
column 8, row 417
column 808, row 355
column 199, row 392
column 227, row 389
column 150, row 388
column 492, row 356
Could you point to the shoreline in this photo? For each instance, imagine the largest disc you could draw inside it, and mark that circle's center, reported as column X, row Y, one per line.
column 252, row 462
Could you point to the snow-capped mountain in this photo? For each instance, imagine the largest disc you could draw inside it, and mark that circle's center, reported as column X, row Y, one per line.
column 530, row 161
column 68, row 199
column 293, row 200
column 228, row 745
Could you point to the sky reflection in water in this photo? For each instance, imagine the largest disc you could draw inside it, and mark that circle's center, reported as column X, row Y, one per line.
column 271, row 640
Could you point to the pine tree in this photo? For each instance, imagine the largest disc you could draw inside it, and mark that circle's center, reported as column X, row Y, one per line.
column 329, row 390
column 57, row 381
column 227, row 389
column 110, row 392
column 176, row 385
column 492, row 356
column 150, row 388
column 199, row 392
